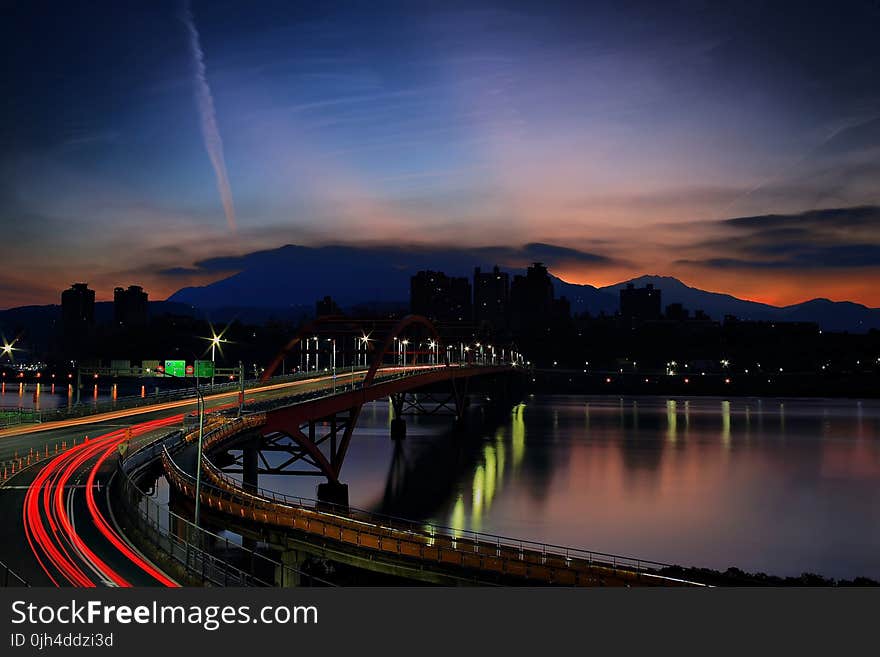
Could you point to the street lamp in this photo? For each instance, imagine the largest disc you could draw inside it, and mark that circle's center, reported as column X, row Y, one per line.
column 8, row 348
column 200, row 406
column 404, row 343
column 332, row 342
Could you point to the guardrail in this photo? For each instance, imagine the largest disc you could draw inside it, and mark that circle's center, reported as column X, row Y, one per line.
column 289, row 400
column 9, row 578
column 190, row 547
column 443, row 545
column 14, row 415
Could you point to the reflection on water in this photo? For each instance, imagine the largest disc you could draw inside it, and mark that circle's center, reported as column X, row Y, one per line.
column 780, row 486
column 46, row 396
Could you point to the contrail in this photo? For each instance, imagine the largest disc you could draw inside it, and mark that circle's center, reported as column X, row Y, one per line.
column 210, row 132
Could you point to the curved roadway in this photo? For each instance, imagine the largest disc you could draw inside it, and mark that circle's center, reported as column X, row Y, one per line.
column 57, row 526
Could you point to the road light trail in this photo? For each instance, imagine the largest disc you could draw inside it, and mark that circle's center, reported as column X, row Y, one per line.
column 48, row 502
column 48, row 514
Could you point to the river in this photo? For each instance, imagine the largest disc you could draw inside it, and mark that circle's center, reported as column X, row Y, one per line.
column 782, row 486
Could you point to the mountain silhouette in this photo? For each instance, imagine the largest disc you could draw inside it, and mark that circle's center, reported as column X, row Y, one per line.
column 296, row 276
column 284, row 283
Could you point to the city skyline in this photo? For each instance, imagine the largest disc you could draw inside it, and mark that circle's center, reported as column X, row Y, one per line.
column 736, row 151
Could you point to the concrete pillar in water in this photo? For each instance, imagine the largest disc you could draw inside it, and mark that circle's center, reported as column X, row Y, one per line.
column 287, row 573
column 398, row 428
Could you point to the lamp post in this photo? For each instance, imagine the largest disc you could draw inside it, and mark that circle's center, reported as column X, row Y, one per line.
column 200, row 406
column 215, row 340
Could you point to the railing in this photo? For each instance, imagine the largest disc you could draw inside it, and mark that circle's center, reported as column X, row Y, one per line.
column 14, row 415
column 9, row 578
column 325, row 393
column 190, row 547
column 426, row 541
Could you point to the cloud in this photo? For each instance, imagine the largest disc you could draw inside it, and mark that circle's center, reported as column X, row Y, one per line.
column 859, row 216
column 175, row 272
column 455, row 259
column 210, row 130
column 831, row 238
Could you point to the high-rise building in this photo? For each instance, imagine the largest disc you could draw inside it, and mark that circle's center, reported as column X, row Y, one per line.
column 440, row 297
column 130, row 307
column 677, row 312
column 531, row 298
column 77, row 309
column 491, row 298
column 640, row 303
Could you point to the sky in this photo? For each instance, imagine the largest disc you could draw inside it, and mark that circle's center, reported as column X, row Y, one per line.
column 735, row 146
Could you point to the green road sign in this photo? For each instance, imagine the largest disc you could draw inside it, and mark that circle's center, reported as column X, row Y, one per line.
column 204, row 369
column 175, row 368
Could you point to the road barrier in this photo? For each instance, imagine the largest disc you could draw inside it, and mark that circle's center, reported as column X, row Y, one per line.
column 9, row 578
column 192, row 548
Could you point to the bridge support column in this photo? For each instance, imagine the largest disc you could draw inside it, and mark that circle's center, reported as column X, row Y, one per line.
column 287, row 574
column 398, row 424
column 398, row 428
column 332, row 492
column 462, row 401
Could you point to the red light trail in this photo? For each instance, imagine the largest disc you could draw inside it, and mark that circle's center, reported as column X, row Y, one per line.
column 48, row 525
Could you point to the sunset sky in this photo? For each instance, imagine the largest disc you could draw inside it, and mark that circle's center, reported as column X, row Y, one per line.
column 735, row 146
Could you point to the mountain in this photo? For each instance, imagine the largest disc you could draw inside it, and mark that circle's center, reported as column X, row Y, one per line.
column 587, row 298
column 834, row 315
column 829, row 315
column 285, row 283
column 298, row 276
column 714, row 304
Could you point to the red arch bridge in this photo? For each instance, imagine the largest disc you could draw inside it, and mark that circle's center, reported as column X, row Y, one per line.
column 313, row 431
column 405, row 361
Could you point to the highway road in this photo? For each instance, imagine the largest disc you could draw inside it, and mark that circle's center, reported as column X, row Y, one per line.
column 57, row 526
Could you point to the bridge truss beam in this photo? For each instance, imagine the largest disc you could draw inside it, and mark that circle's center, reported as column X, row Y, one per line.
column 313, row 448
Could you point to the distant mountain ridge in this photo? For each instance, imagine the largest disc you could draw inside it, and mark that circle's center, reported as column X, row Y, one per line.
column 285, row 283
column 829, row 315
column 298, row 276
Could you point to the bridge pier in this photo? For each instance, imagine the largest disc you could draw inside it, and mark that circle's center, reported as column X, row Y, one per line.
column 287, row 574
column 398, row 429
column 333, row 492
column 398, row 424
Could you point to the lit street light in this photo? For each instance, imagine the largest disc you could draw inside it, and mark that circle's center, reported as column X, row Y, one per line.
column 8, row 348
column 216, row 340
column 201, row 411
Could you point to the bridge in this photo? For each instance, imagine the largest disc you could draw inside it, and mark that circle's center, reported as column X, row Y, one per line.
column 314, row 433
column 298, row 427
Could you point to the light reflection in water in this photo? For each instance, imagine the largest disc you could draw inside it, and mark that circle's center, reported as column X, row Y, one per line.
column 671, row 420
column 702, row 481
column 725, row 423
column 489, row 472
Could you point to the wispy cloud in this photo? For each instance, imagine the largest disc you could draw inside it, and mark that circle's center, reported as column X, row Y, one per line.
column 210, row 131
